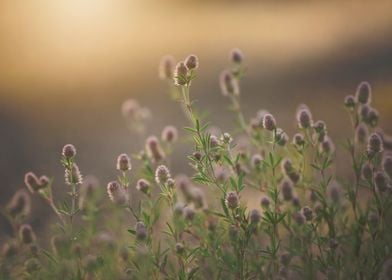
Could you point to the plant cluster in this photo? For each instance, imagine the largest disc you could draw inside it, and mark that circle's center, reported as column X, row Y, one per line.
column 308, row 224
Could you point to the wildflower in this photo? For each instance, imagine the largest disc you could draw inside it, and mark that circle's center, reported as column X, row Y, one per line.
column 154, row 150
column 214, row 141
column 170, row 183
column 363, row 111
column 166, row 68
column 372, row 117
column 180, row 248
column 162, row 174
column 117, row 193
column 320, row 126
column 181, row 74
column 387, row 165
column 298, row 140
column 265, row 202
column 364, row 93
column 299, row 218
column 197, row 155
column 232, row 200
column 140, row 231
column 287, row 190
column 381, row 182
column 308, row 213
column 367, row 172
column 327, row 147
column 226, row 138
column 20, row 204
column 304, row 117
column 124, row 163
column 269, row 122
column 228, row 84
column 32, row 182
column 26, row 234
column 73, row 175
column 349, row 102
column 169, row 134
column 254, row 216
column 143, row 186
column 256, row 160
column 192, row 62
column 281, row 137
column 236, row 56
column 375, row 145
column 189, row 213
column 361, row 133
column 69, row 151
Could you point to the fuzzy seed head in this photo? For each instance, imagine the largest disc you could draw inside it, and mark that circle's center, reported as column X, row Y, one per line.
column 269, row 122
column 141, row 231
column 117, row 193
column 20, row 204
column 265, row 202
column 361, row 133
column 236, row 56
column 298, row 140
column 367, row 172
column 327, row 147
column 256, row 160
column 254, row 216
column 387, row 166
column 192, row 62
column 281, row 137
column 153, row 149
column 304, row 118
column 26, row 234
column 364, row 93
column 166, row 68
column 180, row 74
column 180, row 248
column 143, row 186
column 162, row 174
column 308, row 213
column 214, row 141
column 296, row 202
column 349, row 102
column 372, row 117
column 73, row 176
column 287, row 190
column 375, row 145
column 381, row 181
column 169, row 134
column 232, row 200
column 124, row 163
column 228, row 84
column 69, row 151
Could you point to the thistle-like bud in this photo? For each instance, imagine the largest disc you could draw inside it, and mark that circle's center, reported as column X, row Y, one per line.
column 304, row 117
column 180, row 249
column 373, row 219
column 269, row 122
column 363, row 111
column 327, row 147
column 287, row 190
column 320, row 126
column 387, row 165
column 232, row 200
column 69, row 151
column 143, row 186
column 169, row 134
column 381, row 182
column 298, row 140
column 361, row 133
column 140, row 231
column 117, row 193
column 367, row 172
column 299, row 218
column 162, row 174
column 375, row 145
column 26, row 234
column 166, row 67
column 364, row 93
column 228, row 84
column 254, row 216
column 349, row 102
column 236, row 56
column 192, row 62
column 124, row 163
column 281, row 137
column 265, row 202
column 32, row 182
column 20, row 204
column 256, row 160
column 73, row 175
column 153, row 149
column 308, row 213
column 372, row 117
column 181, row 74
column 189, row 213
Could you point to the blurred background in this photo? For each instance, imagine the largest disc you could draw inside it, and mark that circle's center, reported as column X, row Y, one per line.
column 66, row 66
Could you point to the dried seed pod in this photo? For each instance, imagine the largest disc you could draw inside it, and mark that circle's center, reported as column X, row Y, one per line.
column 124, row 163
column 169, row 134
column 162, row 174
column 73, row 175
column 69, row 151
column 166, row 68
column 364, row 93
column 232, row 200
column 192, row 62
column 228, row 84
column 117, row 193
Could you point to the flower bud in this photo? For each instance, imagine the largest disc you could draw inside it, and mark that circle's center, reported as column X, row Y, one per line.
column 73, row 175
column 320, row 127
column 254, row 216
column 69, row 151
column 26, row 234
column 349, row 102
column 372, row 117
column 153, row 149
column 143, row 186
column 364, row 93
column 281, row 137
column 265, row 202
column 124, row 163
column 304, row 118
column 20, row 204
column 232, row 200
column 269, row 122
column 361, row 133
column 169, row 134
column 228, row 84
column 298, row 140
column 192, row 62
column 236, row 56
column 327, row 147
column 308, row 213
column 181, row 74
column 117, row 193
column 257, row 160
column 166, row 68
column 141, row 231
column 287, row 190
column 162, row 174
column 387, row 165
column 364, row 111
column 381, row 182
column 226, row 138
column 375, row 145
